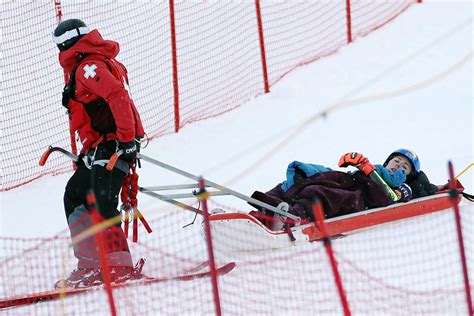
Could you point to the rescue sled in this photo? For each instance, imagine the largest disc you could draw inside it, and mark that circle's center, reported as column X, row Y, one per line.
column 264, row 238
column 261, row 237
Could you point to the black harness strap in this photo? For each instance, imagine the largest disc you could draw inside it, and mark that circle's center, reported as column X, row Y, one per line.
column 468, row 197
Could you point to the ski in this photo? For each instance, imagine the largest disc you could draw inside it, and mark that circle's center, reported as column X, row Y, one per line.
column 57, row 294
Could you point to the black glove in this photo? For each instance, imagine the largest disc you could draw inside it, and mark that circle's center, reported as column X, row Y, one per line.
column 129, row 150
column 404, row 192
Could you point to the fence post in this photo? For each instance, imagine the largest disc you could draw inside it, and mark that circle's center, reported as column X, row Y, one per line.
column 99, row 238
column 175, row 67
column 262, row 46
column 72, row 138
column 453, row 192
column 349, row 21
column 212, row 264
column 319, row 221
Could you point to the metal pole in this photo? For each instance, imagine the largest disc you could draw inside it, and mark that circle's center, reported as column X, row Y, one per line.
column 262, row 46
column 319, row 219
column 216, row 186
column 210, row 249
column 454, row 194
column 174, row 59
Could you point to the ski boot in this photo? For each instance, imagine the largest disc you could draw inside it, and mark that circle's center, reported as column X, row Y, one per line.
column 76, row 278
column 88, row 277
column 125, row 274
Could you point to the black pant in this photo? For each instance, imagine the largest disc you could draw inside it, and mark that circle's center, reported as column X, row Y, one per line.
column 105, row 184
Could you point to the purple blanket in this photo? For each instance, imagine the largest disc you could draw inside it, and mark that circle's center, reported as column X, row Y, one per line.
column 340, row 193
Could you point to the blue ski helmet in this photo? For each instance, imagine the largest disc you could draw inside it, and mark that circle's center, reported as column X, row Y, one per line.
column 410, row 155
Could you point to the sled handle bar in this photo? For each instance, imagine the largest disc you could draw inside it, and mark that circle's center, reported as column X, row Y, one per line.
column 216, row 186
column 52, row 149
column 221, row 188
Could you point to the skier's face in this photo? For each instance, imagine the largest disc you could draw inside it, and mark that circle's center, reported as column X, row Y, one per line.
column 399, row 162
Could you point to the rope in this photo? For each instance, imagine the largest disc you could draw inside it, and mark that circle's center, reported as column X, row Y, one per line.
column 462, row 172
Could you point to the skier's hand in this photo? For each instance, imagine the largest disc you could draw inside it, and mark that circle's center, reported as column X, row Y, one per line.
column 129, row 150
column 357, row 160
column 351, row 159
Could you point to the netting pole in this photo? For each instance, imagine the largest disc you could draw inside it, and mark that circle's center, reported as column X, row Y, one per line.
column 454, row 196
column 262, row 46
column 212, row 264
column 349, row 21
column 99, row 238
column 174, row 59
column 319, row 223
column 59, row 17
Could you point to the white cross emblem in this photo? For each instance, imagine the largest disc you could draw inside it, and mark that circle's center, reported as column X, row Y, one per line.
column 89, row 71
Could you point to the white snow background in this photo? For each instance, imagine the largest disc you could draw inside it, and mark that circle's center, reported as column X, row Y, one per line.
column 406, row 85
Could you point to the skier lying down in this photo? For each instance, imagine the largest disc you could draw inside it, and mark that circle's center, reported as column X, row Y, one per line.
column 399, row 179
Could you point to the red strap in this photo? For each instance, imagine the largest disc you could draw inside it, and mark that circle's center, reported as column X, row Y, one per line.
column 135, row 229
column 130, row 201
column 125, row 190
column 133, row 188
column 130, row 188
column 126, row 223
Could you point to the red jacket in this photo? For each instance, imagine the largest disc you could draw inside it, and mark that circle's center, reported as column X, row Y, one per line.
column 100, row 76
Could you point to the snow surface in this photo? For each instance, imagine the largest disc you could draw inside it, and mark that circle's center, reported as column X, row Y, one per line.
column 401, row 86
column 409, row 84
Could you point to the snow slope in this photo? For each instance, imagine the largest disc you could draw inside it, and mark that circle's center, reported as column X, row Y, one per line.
column 408, row 84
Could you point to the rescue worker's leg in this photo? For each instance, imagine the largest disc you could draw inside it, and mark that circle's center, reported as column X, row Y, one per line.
column 107, row 185
column 78, row 218
column 107, row 188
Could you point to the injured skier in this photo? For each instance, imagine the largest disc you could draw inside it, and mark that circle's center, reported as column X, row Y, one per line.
column 399, row 179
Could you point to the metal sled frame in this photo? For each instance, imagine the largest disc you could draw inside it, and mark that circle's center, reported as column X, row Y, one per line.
column 219, row 190
column 171, row 198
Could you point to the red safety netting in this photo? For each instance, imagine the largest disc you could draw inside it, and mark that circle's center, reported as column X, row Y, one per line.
column 218, row 56
column 411, row 266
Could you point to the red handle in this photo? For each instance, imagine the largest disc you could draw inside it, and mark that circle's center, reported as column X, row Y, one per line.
column 112, row 162
column 44, row 158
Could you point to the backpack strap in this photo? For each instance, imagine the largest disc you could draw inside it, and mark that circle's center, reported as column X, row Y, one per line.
column 70, row 87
